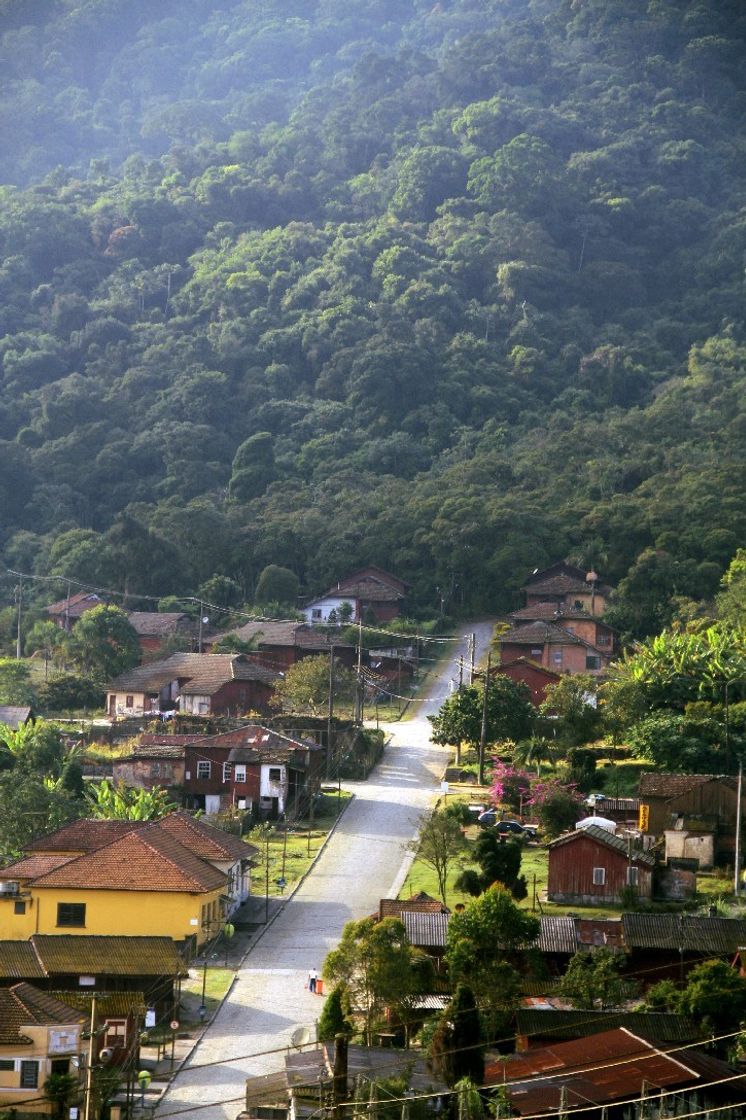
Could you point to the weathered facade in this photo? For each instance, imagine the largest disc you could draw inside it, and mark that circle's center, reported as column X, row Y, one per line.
column 590, row 867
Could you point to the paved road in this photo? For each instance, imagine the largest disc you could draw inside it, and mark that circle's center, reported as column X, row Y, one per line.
column 365, row 860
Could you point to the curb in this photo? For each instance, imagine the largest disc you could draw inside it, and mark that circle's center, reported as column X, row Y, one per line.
column 285, row 899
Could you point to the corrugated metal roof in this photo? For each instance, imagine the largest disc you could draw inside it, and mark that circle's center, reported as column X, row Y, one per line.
column 636, row 855
column 562, row 1025
column 721, row 936
column 427, row 929
column 557, row 935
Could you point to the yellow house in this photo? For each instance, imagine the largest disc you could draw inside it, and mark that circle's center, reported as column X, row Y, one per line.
column 123, row 878
column 39, row 1036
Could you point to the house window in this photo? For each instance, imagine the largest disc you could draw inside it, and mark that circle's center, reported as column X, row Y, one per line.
column 71, row 913
column 239, row 774
column 129, row 701
column 7, row 1065
column 19, row 907
column 203, row 770
column 632, row 876
column 226, row 771
column 116, row 1033
column 316, row 612
column 602, row 639
column 536, row 652
column 599, row 876
column 578, row 605
column 59, row 1065
column 275, row 774
column 29, row 1075
column 557, row 657
column 592, row 661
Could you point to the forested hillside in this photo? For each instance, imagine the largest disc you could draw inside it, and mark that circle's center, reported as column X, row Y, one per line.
column 456, row 288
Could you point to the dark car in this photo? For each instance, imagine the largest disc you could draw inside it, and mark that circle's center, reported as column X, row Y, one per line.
column 489, row 819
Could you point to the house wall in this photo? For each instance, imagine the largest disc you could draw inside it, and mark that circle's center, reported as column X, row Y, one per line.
column 681, row 844
column 37, row 1050
column 319, row 611
column 571, row 867
column 175, row 914
column 232, row 698
column 536, row 681
column 145, row 773
column 711, row 799
column 228, row 791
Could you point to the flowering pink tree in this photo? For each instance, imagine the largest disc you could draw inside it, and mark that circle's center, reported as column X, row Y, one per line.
column 557, row 805
column 509, row 786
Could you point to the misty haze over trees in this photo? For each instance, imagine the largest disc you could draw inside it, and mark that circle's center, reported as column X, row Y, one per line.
column 456, row 288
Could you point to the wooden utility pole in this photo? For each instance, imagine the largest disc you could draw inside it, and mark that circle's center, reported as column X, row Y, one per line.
column 472, row 656
column 89, row 1062
column 18, row 620
column 331, row 714
column 483, row 735
column 339, row 1075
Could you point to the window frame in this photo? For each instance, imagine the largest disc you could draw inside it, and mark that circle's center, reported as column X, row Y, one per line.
column 29, row 1066
column 633, row 876
column 599, row 876
column 204, row 769
column 70, row 911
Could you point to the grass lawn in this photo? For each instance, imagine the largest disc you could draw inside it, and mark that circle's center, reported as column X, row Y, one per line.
column 291, row 853
column 217, row 981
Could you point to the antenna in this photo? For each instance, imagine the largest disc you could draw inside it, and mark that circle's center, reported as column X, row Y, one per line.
column 299, row 1037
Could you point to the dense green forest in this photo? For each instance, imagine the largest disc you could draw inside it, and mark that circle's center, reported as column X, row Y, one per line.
column 454, row 287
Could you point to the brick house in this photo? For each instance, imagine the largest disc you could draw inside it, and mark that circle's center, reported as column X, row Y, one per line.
column 261, row 771
column 566, row 585
column 156, row 760
column 590, row 867
column 196, row 683
column 554, row 647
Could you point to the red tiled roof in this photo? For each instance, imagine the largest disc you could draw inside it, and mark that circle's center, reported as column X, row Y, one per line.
column 205, row 841
column 76, row 605
column 31, row 867
column 147, row 859
column 154, row 624
column 420, row 903
column 674, row 785
column 83, row 835
column 25, row 1006
column 539, row 633
column 198, row 672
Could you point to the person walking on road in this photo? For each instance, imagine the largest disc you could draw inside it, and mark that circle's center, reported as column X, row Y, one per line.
column 312, row 977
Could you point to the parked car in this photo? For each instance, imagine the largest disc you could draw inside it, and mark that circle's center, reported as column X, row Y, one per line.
column 490, row 819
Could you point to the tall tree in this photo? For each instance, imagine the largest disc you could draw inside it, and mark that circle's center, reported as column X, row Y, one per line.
column 103, row 644
column 439, row 845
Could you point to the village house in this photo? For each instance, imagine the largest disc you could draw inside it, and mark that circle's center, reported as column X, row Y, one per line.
column 66, row 612
column 263, row 772
column 142, row 972
column 39, row 1036
column 195, row 683
column 592, row 867
column 156, row 761
column 523, row 670
column 175, row 876
column 155, row 630
column 370, row 593
column 696, row 813
column 560, row 626
column 668, row 946
column 14, row 717
column 278, row 645
column 606, row 1070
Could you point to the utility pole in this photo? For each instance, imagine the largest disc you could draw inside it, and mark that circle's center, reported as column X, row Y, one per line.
column 89, row 1063
column 331, row 713
column 461, row 672
column 359, row 690
column 472, row 656
column 18, row 622
column 483, row 735
column 737, row 861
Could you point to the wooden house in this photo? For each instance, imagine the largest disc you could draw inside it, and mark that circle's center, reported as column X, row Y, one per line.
column 264, row 772
column 524, row 670
column 590, row 867
column 698, row 805
column 195, row 683
column 278, row 645
column 668, row 946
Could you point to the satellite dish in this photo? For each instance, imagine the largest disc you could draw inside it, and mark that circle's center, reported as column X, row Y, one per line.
column 300, row 1036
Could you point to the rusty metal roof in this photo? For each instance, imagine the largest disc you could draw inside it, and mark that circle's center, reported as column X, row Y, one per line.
column 719, row 936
